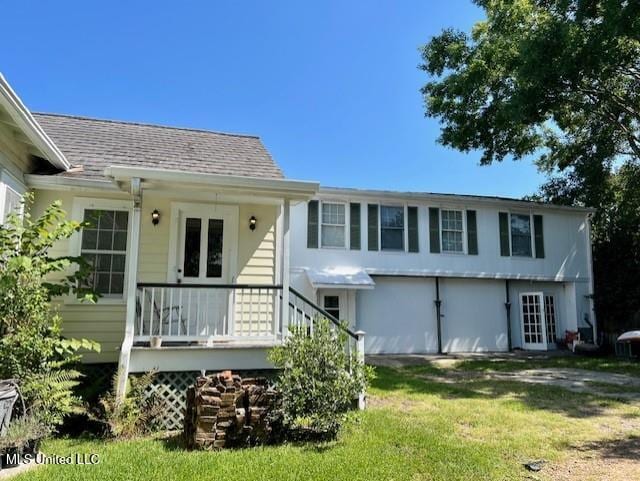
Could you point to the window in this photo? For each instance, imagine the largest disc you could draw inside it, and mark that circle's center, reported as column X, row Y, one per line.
column 104, row 247
column 520, row 235
column 332, row 306
column 333, row 225
column 391, row 228
column 12, row 203
column 452, row 231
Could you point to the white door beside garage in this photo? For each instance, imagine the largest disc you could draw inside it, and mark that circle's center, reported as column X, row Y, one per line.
column 398, row 316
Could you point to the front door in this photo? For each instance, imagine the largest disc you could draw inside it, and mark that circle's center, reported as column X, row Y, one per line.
column 206, row 255
column 534, row 327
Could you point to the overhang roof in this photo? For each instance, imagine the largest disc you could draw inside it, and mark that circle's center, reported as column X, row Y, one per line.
column 28, row 131
column 340, row 278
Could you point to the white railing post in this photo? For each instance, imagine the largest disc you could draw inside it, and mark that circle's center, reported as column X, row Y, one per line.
column 360, row 358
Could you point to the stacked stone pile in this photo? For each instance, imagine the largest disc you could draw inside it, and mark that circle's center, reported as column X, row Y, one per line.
column 223, row 410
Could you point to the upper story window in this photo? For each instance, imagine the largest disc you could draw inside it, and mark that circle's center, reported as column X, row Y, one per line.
column 392, row 228
column 104, row 247
column 521, row 235
column 452, row 231
column 333, row 225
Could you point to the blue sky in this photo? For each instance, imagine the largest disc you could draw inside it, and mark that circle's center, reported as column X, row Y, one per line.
column 332, row 87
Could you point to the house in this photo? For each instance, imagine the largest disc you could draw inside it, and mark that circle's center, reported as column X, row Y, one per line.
column 198, row 239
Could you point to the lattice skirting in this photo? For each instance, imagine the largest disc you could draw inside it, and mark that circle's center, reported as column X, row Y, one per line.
column 171, row 388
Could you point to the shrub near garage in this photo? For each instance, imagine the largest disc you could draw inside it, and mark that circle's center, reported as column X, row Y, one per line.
column 319, row 379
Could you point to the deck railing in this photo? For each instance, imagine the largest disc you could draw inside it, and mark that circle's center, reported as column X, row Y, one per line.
column 207, row 312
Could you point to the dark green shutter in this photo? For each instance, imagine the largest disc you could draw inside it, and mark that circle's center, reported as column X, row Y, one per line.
column 472, row 233
column 354, row 227
column 538, row 236
column 434, row 230
column 372, row 226
column 412, row 224
column 312, row 224
column 504, row 234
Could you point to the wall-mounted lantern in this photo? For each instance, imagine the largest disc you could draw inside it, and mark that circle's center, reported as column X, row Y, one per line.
column 252, row 222
column 155, row 217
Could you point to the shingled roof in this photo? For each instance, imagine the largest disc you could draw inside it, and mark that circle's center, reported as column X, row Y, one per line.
column 96, row 144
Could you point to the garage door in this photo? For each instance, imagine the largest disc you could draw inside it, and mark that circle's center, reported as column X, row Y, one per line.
column 474, row 316
column 398, row 316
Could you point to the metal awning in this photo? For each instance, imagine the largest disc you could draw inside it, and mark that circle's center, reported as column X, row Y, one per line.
column 340, row 278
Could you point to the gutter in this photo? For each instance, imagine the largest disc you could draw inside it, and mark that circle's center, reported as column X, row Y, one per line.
column 30, row 127
column 343, row 193
column 61, row 182
column 288, row 188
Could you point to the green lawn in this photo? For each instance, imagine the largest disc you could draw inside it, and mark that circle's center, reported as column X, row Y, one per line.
column 414, row 429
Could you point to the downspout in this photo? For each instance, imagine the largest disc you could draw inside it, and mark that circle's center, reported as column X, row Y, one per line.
column 507, row 306
column 592, row 307
column 438, row 304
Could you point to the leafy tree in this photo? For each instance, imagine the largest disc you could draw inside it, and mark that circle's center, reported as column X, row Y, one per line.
column 319, row 380
column 557, row 81
column 556, row 78
column 32, row 348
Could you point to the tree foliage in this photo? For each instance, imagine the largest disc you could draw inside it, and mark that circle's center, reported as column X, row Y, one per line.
column 556, row 78
column 557, row 81
column 32, row 349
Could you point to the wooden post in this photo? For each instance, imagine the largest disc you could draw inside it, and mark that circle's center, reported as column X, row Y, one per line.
column 360, row 358
column 132, row 280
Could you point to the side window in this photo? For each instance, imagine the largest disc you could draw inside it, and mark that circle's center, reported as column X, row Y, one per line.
column 104, row 247
column 332, row 305
column 11, row 202
column 391, row 228
column 333, row 225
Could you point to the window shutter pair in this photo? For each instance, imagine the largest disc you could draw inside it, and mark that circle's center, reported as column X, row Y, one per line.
column 412, row 228
column 313, row 225
column 538, row 235
column 434, row 231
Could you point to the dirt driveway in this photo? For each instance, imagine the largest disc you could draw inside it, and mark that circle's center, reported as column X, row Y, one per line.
column 615, row 457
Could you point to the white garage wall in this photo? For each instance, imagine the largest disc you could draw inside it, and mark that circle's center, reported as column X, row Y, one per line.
column 474, row 317
column 398, row 316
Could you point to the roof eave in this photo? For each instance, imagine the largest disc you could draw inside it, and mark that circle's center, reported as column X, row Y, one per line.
column 445, row 198
column 291, row 189
column 23, row 119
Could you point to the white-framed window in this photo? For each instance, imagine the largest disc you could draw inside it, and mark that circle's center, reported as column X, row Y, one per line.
column 11, row 192
column 331, row 304
column 104, row 244
column 392, row 231
column 333, row 224
column 452, row 230
column 521, row 235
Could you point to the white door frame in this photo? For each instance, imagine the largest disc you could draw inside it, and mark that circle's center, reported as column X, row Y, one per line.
column 544, row 345
column 229, row 214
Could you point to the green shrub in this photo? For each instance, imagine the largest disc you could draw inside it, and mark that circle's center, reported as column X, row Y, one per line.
column 133, row 415
column 32, row 349
column 319, row 380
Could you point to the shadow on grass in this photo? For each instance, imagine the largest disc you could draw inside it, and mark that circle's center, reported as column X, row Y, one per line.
column 549, row 398
column 625, row 448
